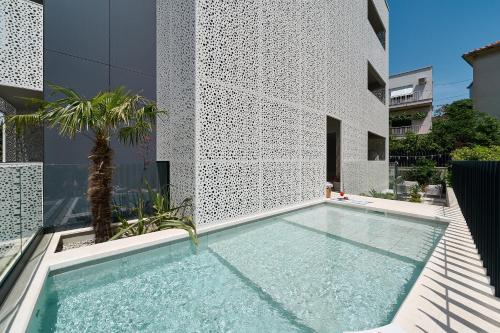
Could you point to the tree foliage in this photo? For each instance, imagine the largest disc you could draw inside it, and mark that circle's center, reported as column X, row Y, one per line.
column 415, row 144
column 459, row 125
column 462, row 126
column 477, row 153
column 110, row 113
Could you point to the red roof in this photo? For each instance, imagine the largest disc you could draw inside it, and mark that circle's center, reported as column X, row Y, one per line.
column 469, row 57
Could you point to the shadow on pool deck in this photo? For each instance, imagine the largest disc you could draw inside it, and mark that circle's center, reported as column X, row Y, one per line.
column 453, row 294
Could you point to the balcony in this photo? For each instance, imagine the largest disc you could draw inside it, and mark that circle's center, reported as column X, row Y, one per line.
column 375, row 84
column 376, row 23
column 416, row 96
column 404, row 130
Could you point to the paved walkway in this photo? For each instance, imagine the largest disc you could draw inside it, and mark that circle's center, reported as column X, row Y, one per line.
column 453, row 293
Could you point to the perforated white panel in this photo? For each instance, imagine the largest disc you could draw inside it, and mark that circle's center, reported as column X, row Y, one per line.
column 176, row 93
column 21, row 205
column 21, row 44
column 267, row 73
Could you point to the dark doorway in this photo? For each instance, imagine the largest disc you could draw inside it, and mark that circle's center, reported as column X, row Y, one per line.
column 333, row 152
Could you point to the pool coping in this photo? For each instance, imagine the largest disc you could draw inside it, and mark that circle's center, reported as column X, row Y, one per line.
column 56, row 261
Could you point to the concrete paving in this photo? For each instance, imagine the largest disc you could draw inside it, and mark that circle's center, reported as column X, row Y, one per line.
column 453, row 293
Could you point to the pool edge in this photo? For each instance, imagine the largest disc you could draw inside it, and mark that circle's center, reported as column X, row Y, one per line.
column 56, row 261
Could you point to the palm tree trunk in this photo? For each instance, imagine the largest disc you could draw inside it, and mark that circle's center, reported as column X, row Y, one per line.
column 100, row 188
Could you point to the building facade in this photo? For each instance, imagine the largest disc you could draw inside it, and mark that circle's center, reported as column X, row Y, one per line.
column 485, row 92
column 252, row 87
column 21, row 66
column 411, row 102
column 267, row 100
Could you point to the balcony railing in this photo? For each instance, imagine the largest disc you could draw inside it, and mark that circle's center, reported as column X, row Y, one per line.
column 380, row 94
column 404, row 130
column 406, row 99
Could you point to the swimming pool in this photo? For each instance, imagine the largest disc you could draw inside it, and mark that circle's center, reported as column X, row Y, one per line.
column 319, row 269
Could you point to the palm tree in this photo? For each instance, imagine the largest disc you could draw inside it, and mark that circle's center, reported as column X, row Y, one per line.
column 117, row 112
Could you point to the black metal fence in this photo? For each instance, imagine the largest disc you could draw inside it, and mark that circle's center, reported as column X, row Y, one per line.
column 408, row 160
column 477, row 187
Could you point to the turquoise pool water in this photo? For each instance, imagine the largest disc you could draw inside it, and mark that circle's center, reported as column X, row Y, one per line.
column 320, row 269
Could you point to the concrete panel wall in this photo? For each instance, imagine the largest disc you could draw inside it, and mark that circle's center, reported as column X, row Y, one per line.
column 267, row 74
column 21, row 42
column 176, row 93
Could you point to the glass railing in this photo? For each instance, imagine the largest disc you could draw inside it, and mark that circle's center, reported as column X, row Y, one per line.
column 21, row 209
column 65, row 192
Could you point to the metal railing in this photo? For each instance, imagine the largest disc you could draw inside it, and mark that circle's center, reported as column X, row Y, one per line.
column 406, row 99
column 381, row 37
column 379, row 93
column 404, row 130
column 409, row 159
column 477, row 187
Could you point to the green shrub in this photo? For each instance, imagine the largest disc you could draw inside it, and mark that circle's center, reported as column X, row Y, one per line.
column 424, row 172
column 374, row 194
column 477, row 153
column 415, row 195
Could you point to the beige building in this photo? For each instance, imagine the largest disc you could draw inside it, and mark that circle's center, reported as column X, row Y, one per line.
column 410, row 102
column 485, row 89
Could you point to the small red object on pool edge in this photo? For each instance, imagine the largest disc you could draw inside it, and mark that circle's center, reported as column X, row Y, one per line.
column 341, row 194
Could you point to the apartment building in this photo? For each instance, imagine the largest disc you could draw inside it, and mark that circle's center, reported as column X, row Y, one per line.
column 484, row 90
column 411, row 102
column 267, row 100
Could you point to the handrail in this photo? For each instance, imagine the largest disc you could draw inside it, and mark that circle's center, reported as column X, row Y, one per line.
column 415, row 97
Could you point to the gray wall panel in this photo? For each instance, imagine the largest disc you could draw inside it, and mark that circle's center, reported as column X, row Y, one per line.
column 133, row 43
column 79, row 36
column 137, row 82
column 78, row 27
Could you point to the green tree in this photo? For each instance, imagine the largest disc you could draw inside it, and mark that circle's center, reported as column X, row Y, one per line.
column 414, row 144
column 110, row 113
column 460, row 125
column 477, row 153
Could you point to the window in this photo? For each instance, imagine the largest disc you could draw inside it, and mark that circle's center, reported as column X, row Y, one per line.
column 375, row 83
column 376, row 22
column 376, row 147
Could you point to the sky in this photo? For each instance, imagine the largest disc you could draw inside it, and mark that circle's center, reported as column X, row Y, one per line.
column 437, row 33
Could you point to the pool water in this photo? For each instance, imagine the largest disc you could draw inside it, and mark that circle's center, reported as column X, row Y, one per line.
column 320, row 269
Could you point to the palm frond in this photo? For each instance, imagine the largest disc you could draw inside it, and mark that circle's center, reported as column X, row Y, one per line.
column 23, row 121
column 134, row 134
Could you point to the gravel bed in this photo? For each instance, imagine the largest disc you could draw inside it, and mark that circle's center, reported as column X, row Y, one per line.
column 76, row 245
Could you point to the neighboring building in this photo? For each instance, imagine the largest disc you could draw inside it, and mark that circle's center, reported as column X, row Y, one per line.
column 255, row 86
column 485, row 89
column 267, row 99
column 21, row 66
column 411, row 98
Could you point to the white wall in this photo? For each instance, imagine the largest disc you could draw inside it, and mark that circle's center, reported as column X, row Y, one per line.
column 485, row 90
column 21, row 43
column 266, row 74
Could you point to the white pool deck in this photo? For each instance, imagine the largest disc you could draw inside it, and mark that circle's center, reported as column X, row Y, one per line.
column 452, row 293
